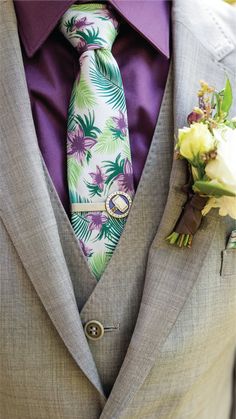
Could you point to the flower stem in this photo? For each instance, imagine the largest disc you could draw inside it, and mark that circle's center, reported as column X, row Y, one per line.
column 180, row 240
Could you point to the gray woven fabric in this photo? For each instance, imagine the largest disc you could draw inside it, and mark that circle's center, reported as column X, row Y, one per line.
column 172, row 355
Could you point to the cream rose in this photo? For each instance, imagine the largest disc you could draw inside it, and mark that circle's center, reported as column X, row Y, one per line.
column 226, row 205
column 195, row 141
column 223, row 168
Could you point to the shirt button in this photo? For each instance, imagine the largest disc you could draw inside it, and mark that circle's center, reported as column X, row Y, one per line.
column 94, row 330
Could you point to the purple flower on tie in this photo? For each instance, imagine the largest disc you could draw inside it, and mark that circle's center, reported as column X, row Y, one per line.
column 78, row 144
column 85, row 249
column 125, row 179
column 98, row 178
column 121, row 124
column 96, row 220
column 80, row 24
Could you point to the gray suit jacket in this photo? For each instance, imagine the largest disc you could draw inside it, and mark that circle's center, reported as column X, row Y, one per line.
column 171, row 354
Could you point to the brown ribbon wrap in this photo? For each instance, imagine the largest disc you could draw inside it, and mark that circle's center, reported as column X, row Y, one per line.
column 191, row 217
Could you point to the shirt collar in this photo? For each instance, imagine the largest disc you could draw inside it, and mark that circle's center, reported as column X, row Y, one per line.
column 37, row 19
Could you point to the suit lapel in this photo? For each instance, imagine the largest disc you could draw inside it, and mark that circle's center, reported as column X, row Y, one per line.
column 171, row 272
column 26, row 209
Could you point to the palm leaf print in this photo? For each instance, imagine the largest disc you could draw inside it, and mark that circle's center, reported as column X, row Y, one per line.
column 107, row 79
column 98, row 263
column 87, row 124
column 113, row 169
column 76, row 198
column 73, row 196
column 90, row 36
column 84, row 97
column 71, row 123
column 69, row 24
column 75, row 171
column 111, row 34
column 93, row 189
column 126, row 151
column 111, row 230
column 80, row 226
column 105, row 142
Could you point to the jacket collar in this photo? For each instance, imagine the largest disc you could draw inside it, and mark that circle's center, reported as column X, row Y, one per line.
column 36, row 20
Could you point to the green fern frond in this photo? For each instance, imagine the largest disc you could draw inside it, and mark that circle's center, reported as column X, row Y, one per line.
column 69, row 24
column 98, row 263
column 111, row 230
column 105, row 142
column 75, row 171
column 107, row 79
column 94, row 190
column 116, row 227
column 87, row 124
column 90, row 36
column 71, row 125
column 111, row 247
column 84, row 97
column 80, row 226
column 126, row 150
column 113, row 169
column 76, row 198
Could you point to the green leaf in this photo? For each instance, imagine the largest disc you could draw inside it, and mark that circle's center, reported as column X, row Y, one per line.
column 231, row 124
column 93, row 189
column 87, row 124
column 76, row 198
column 71, row 125
column 106, row 143
column 113, row 169
column 75, row 171
column 113, row 232
column 112, row 229
column 212, row 189
column 98, row 263
column 105, row 75
column 69, row 24
column 80, row 225
column 90, row 36
column 84, row 97
column 227, row 98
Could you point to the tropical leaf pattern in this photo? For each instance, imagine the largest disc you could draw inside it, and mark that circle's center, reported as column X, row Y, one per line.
column 84, row 96
column 80, row 225
column 98, row 263
column 90, row 37
column 106, row 77
column 74, row 170
column 98, row 148
column 107, row 142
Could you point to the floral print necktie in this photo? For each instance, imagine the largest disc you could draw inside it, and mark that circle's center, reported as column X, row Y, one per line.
column 99, row 167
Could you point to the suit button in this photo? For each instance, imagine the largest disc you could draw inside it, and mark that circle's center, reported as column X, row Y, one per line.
column 94, row 330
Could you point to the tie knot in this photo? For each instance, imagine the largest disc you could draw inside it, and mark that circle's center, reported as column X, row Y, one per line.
column 89, row 26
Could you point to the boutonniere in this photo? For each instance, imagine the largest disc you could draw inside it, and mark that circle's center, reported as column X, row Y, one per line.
column 208, row 145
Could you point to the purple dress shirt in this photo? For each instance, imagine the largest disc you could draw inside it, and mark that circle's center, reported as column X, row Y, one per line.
column 51, row 65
